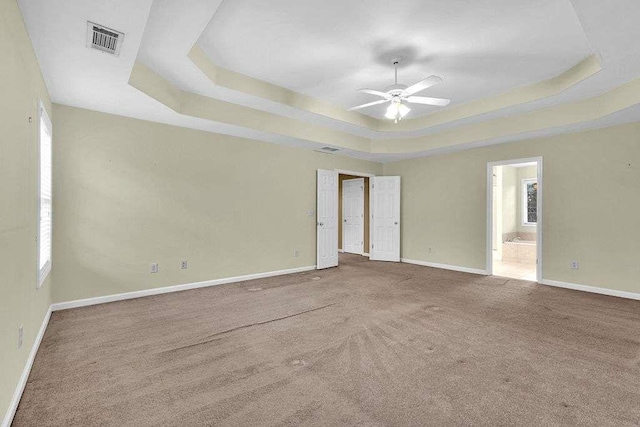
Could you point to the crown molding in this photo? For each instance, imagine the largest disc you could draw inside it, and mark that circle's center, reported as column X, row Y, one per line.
column 521, row 95
column 155, row 86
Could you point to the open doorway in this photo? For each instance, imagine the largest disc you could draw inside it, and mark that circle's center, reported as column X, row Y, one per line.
column 515, row 211
column 353, row 214
column 379, row 230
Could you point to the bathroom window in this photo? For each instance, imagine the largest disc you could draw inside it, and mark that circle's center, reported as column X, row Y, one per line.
column 529, row 201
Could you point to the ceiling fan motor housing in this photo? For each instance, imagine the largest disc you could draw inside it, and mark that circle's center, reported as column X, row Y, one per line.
column 396, row 89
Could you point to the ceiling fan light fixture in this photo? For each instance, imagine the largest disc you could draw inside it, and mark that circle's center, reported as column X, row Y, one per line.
column 392, row 111
column 396, row 111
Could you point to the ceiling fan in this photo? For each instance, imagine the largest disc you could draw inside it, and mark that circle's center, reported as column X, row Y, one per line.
column 397, row 93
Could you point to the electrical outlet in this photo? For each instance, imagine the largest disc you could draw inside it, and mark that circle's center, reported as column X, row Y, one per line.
column 296, row 253
column 154, row 267
column 20, row 336
column 575, row 265
column 183, row 265
column 431, row 249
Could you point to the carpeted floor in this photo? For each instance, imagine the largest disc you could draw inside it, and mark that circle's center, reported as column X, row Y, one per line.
column 367, row 343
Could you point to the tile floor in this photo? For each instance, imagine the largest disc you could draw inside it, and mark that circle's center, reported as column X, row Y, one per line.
column 514, row 270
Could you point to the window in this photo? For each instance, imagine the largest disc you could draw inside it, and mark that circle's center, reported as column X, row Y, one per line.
column 529, row 201
column 44, row 230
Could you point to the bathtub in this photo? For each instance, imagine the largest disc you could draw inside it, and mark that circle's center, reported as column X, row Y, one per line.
column 519, row 251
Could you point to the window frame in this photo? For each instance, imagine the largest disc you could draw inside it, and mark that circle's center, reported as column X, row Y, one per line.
column 44, row 119
column 524, row 202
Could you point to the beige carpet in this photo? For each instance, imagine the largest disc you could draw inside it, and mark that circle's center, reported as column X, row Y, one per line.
column 367, row 343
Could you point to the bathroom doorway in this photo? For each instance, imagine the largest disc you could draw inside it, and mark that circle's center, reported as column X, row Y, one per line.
column 514, row 209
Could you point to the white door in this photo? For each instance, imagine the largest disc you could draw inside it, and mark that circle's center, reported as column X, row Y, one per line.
column 353, row 216
column 327, row 222
column 385, row 218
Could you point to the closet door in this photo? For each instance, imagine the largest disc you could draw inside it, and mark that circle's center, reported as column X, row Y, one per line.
column 385, row 218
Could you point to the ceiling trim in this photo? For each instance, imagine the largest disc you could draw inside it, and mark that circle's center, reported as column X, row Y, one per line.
column 155, row 86
column 521, row 95
column 251, row 86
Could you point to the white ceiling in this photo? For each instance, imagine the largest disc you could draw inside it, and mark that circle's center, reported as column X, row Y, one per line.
column 75, row 75
column 160, row 33
column 329, row 48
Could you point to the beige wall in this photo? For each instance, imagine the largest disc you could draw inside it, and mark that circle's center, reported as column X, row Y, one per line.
column 130, row 192
column 591, row 182
column 21, row 85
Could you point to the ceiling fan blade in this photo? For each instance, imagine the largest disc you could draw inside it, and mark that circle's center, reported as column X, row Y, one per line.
column 382, row 101
column 440, row 102
column 375, row 92
column 422, row 85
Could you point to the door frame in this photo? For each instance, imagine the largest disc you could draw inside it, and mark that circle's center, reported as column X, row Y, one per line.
column 539, row 224
column 354, row 173
column 366, row 251
column 344, row 235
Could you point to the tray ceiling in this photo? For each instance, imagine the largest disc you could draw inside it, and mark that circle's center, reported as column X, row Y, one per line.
column 329, row 48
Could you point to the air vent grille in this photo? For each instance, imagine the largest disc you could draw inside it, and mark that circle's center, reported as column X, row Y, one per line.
column 104, row 39
column 329, row 149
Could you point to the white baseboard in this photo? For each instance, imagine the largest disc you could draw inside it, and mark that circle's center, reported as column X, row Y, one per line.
column 592, row 289
column 445, row 266
column 365, row 254
column 555, row 283
column 174, row 288
column 17, row 394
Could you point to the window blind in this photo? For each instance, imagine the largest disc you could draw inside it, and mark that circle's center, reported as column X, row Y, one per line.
column 45, row 208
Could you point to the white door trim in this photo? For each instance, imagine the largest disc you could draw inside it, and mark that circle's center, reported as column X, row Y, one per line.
column 539, row 225
column 354, row 173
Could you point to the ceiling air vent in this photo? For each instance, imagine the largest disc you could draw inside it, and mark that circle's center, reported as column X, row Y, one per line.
column 329, row 149
column 104, row 39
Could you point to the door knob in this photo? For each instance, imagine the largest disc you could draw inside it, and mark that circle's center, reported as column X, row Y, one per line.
column 345, row 220
column 320, row 224
column 395, row 223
